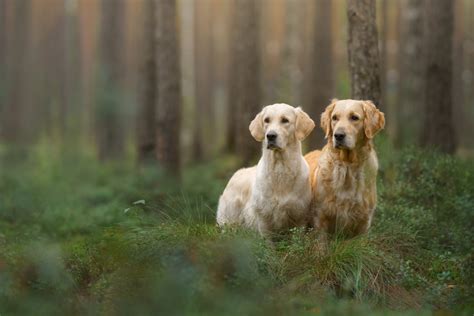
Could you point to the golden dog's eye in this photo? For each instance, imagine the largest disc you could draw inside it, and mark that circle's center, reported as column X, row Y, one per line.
column 284, row 120
column 354, row 118
column 266, row 120
column 334, row 117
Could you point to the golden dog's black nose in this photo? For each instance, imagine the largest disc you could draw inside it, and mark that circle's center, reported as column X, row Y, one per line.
column 339, row 137
column 271, row 136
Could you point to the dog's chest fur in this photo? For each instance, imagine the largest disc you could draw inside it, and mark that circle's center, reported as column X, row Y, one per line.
column 345, row 192
column 277, row 204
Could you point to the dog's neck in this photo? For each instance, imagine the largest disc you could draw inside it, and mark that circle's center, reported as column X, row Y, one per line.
column 288, row 157
column 355, row 157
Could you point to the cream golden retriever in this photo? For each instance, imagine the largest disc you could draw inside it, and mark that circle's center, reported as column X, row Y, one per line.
column 276, row 193
column 343, row 174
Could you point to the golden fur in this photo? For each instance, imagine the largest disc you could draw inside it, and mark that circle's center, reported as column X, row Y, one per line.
column 343, row 174
column 275, row 194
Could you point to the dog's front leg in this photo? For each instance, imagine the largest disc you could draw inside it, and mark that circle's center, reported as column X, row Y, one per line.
column 264, row 228
column 322, row 228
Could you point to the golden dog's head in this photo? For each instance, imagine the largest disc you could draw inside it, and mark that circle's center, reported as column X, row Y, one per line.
column 348, row 124
column 279, row 125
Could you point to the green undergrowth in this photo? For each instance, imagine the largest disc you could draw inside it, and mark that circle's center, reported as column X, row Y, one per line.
column 81, row 237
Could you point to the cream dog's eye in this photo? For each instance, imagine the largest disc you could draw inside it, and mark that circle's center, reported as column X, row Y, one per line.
column 334, row 117
column 354, row 118
column 284, row 120
column 266, row 120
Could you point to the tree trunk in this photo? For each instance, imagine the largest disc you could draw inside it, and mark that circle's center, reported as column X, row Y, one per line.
column 247, row 73
column 231, row 125
column 468, row 74
column 383, row 53
column 3, row 55
column 438, row 129
column 458, row 67
column 291, row 77
column 3, row 37
column 89, row 25
column 410, row 99
column 69, row 77
column 169, row 87
column 148, row 93
column 203, row 72
column 13, row 111
column 109, row 121
column 320, row 84
column 363, row 52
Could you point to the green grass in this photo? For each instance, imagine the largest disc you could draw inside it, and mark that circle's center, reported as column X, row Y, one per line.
column 79, row 237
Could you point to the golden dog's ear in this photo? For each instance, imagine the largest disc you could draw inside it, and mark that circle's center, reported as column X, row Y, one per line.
column 326, row 119
column 374, row 120
column 304, row 124
column 256, row 127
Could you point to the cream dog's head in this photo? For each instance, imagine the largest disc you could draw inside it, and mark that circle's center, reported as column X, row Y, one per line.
column 348, row 124
column 279, row 125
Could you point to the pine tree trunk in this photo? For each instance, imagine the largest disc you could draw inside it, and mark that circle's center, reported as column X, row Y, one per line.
column 232, row 91
column 438, row 129
column 410, row 99
column 109, row 121
column 290, row 78
column 247, row 72
column 3, row 37
column 89, row 26
column 148, row 94
column 169, row 87
column 203, row 72
column 69, row 78
column 363, row 52
column 13, row 111
column 320, row 83
column 384, row 31
column 458, row 67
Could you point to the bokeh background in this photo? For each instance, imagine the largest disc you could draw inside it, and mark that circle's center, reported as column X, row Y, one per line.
column 79, row 70
column 121, row 121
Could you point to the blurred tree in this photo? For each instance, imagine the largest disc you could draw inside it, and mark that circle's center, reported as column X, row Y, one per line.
column 468, row 71
column 363, row 51
column 148, row 94
column 221, row 66
column 89, row 24
column 438, row 129
column 169, row 87
column 204, row 123
column 17, row 41
column 320, row 83
column 459, row 114
column 109, row 120
column 410, row 98
column 383, row 42
column 3, row 54
column 3, row 36
column 273, row 20
column 246, row 69
column 291, row 77
column 70, row 68
column 231, row 83
column 389, row 56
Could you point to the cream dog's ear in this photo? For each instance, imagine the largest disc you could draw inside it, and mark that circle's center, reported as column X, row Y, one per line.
column 374, row 120
column 304, row 124
column 256, row 127
column 326, row 119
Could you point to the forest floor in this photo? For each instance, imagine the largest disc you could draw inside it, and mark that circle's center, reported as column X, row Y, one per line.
column 79, row 237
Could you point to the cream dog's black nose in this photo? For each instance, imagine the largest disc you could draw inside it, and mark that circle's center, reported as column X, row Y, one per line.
column 339, row 137
column 271, row 136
